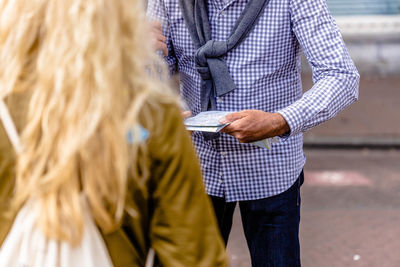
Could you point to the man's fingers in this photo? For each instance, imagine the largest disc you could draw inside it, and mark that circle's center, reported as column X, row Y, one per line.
column 159, row 42
column 158, row 37
column 155, row 25
column 186, row 114
column 237, row 134
column 232, row 117
column 232, row 128
column 158, row 45
column 156, row 31
column 161, row 38
column 165, row 49
column 236, row 130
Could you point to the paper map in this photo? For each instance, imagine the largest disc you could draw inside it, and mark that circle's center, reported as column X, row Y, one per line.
column 207, row 118
column 208, row 121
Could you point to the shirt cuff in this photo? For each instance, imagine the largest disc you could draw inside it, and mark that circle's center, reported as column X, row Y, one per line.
column 293, row 119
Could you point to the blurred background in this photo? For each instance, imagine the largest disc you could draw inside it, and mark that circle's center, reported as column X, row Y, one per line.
column 351, row 197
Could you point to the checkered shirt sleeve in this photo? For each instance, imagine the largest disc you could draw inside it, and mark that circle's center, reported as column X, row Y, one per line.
column 334, row 74
column 266, row 70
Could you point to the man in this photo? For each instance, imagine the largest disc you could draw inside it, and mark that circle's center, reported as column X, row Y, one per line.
column 263, row 62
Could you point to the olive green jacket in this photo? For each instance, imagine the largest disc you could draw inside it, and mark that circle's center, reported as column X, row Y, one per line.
column 170, row 212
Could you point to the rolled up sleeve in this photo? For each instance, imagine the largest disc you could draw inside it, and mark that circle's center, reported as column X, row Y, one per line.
column 335, row 77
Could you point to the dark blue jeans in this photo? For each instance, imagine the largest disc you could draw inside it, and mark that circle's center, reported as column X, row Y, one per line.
column 271, row 226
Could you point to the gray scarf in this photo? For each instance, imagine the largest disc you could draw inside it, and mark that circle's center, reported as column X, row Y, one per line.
column 216, row 80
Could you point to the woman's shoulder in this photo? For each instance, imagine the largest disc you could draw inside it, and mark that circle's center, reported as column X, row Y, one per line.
column 161, row 117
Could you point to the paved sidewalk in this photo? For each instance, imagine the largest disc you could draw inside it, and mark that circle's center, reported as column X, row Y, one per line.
column 374, row 116
column 350, row 211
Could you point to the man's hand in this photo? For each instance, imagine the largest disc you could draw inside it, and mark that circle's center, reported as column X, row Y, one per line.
column 254, row 125
column 187, row 114
column 157, row 37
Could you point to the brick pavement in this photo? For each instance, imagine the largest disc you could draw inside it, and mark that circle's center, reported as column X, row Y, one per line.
column 348, row 237
column 350, row 225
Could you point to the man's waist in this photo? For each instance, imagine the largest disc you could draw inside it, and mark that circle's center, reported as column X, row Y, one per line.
column 226, row 143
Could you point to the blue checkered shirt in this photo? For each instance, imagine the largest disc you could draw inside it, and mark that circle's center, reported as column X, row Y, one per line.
column 266, row 70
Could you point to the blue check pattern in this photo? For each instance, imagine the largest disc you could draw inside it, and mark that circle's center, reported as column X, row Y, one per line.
column 266, row 69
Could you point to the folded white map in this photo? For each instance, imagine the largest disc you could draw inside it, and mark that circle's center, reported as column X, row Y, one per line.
column 209, row 121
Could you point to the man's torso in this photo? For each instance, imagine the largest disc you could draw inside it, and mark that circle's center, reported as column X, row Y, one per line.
column 265, row 68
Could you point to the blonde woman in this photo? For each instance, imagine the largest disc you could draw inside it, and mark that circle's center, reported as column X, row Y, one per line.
column 96, row 123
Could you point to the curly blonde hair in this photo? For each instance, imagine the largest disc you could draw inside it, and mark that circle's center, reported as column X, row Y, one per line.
column 87, row 65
